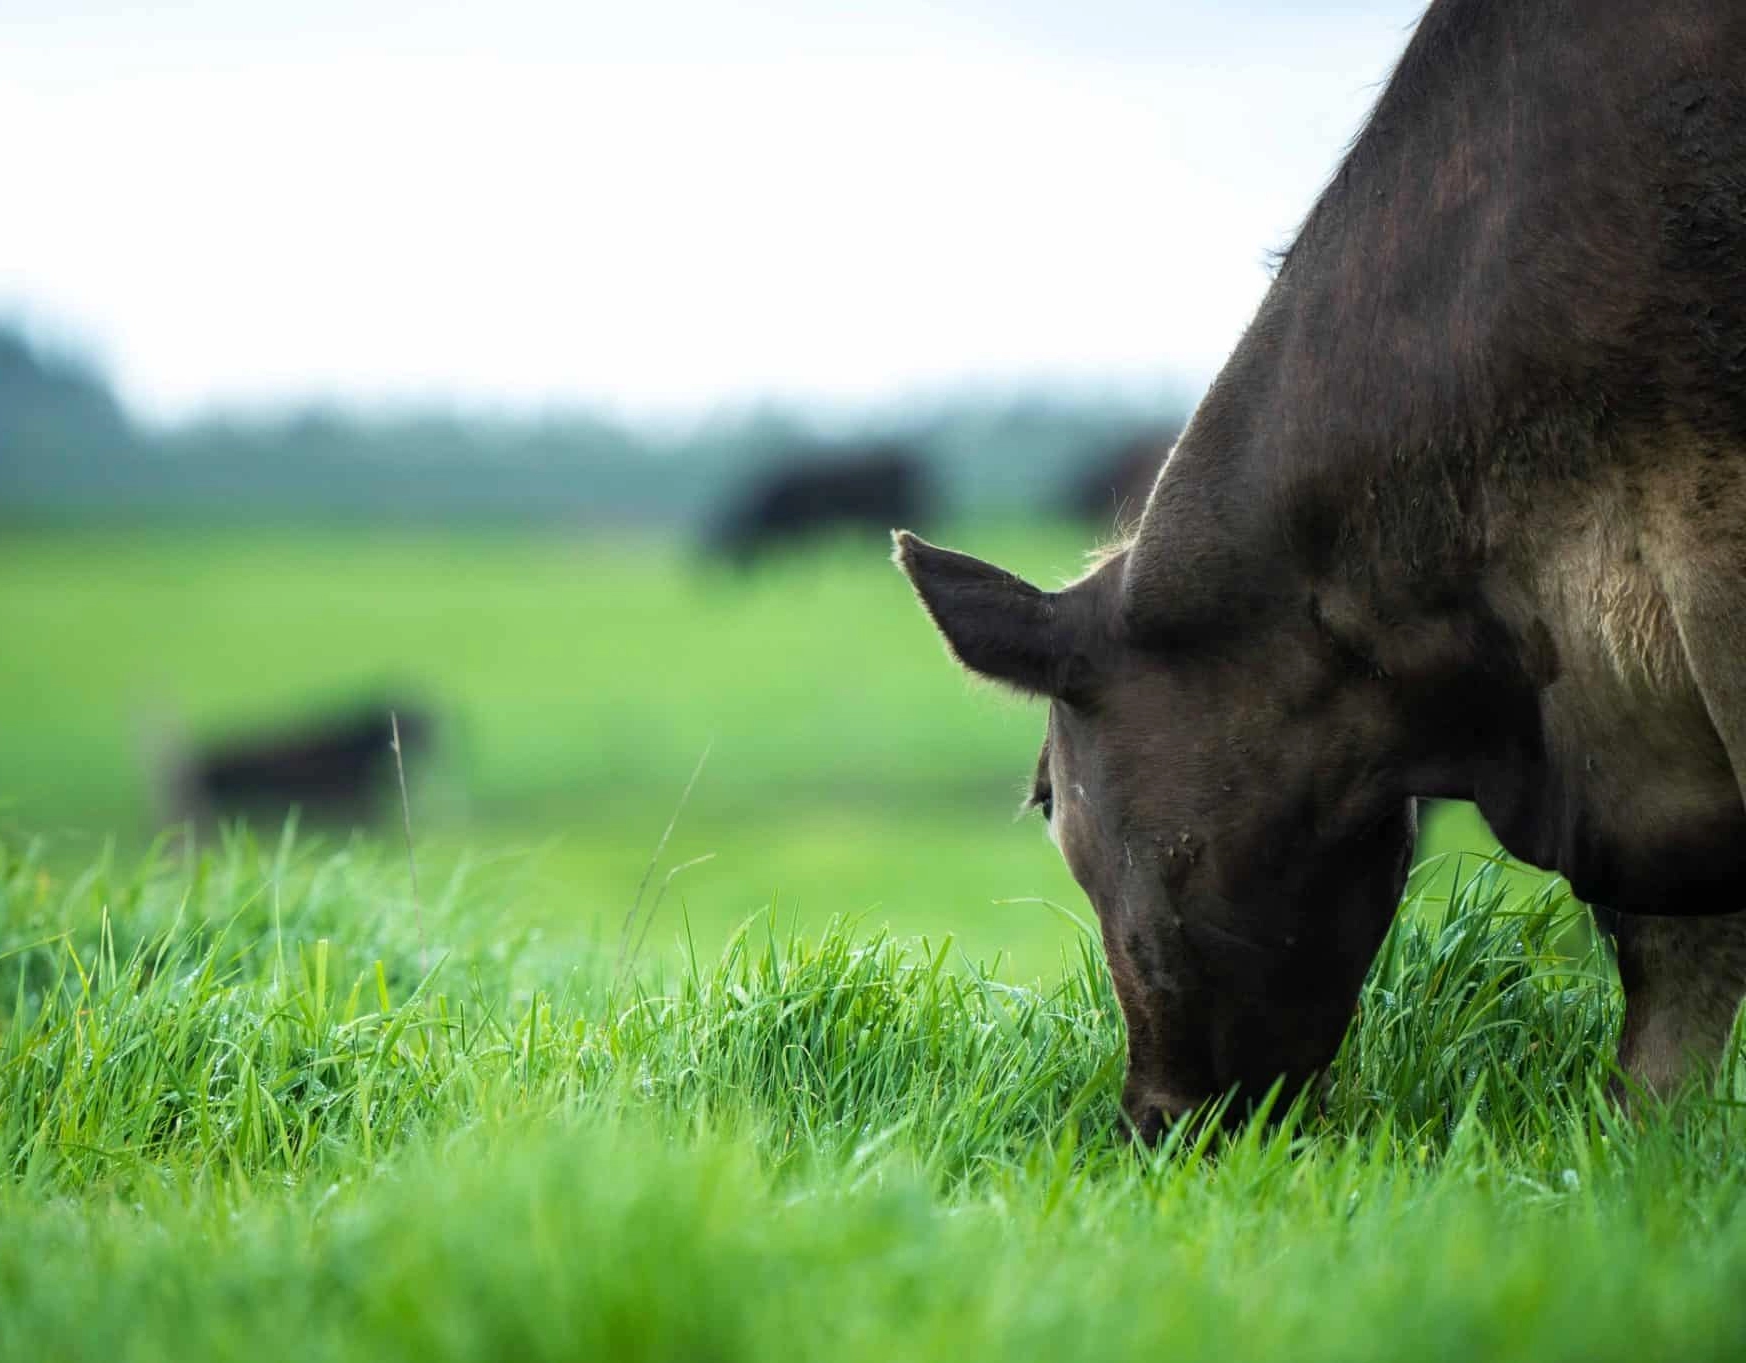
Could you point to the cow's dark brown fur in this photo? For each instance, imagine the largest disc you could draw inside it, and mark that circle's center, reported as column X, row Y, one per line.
column 1463, row 516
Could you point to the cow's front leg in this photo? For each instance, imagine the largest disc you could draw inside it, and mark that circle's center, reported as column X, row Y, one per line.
column 1683, row 980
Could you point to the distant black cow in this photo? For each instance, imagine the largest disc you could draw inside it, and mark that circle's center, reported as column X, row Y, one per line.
column 334, row 768
column 871, row 487
column 1113, row 488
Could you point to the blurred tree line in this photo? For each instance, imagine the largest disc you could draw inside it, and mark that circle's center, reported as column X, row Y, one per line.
column 69, row 450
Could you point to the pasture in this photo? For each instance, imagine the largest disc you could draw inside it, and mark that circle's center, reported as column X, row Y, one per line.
column 854, row 1096
column 578, row 684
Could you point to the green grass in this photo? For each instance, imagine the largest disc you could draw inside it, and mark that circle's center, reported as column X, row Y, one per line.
column 238, row 1119
column 579, row 680
column 572, row 672
column 853, row 1096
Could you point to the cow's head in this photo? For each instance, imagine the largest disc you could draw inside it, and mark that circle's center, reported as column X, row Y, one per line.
column 1220, row 802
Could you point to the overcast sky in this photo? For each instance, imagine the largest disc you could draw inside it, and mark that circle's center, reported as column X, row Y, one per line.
column 666, row 205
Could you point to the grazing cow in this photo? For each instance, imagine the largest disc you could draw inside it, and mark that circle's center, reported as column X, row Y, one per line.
column 1463, row 515
column 870, row 488
column 1114, row 488
column 334, row 768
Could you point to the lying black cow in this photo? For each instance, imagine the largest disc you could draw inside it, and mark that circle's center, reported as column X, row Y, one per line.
column 334, row 769
column 869, row 489
column 1464, row 515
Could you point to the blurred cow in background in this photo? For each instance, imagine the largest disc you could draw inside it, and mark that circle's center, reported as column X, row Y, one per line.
column 870, row 488
column 334, row 768
column 1113, row 488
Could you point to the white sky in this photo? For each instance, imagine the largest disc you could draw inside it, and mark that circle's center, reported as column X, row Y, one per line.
column 661, row 205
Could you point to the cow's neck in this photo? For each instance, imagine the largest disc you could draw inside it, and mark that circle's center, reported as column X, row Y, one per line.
column 1435, row 346
column 1445, row 334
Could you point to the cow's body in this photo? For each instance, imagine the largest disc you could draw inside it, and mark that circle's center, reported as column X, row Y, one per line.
column 1464, row 516
column 1497, row 400
column 1500, row 386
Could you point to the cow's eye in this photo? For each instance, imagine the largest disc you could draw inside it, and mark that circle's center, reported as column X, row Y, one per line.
column 1044, row 800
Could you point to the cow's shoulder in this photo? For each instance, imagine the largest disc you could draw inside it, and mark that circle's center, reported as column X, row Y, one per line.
column 1636, row 580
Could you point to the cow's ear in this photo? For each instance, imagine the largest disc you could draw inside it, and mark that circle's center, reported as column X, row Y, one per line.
column 995, row 624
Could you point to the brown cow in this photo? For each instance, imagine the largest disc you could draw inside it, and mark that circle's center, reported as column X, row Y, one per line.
column 1464, row 515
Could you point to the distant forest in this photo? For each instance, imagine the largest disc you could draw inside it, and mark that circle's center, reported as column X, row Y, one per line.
column 69, row 450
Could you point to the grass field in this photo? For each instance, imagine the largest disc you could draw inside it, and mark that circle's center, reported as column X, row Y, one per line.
column 579, row 683
column 237, row 1121
column 855, row 1096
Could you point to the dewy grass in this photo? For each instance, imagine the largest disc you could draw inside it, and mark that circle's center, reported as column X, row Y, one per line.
column 233, row 1115
column 263, row 1011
